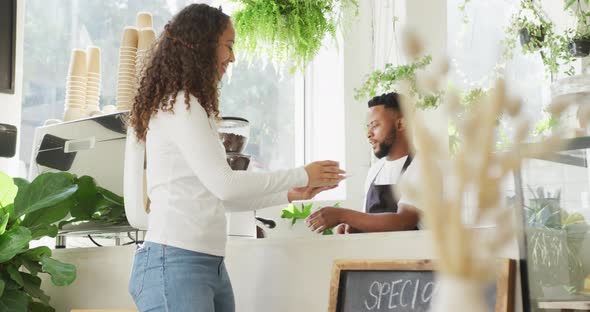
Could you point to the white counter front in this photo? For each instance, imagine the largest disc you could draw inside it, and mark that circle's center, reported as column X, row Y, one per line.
column 268, row 275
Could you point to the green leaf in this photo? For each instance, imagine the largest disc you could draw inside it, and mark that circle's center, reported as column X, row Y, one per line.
column 111, row 197
column 33, row 267
column 43, row 230
column 61, row 273
column 87, row 197
column 50, row 215
column 15, row 275
column 47, row 190
column 32, row 285
column 2, row 284
column 3, row 223
column 8, row 210
column 8, row 190
column 37, row 253
column 40, row 307
column 13, row 301
column 13, row 241
column 329, row 231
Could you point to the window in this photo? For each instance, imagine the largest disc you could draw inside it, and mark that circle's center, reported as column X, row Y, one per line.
column 258, row 92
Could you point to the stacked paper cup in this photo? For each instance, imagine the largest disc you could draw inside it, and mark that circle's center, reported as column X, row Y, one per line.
column 144, row 20
column 127, row 80
column 94, row 79
column 75, row 104
column 147, row 37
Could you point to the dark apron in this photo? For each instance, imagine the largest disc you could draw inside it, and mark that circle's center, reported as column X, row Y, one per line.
column 380, row 198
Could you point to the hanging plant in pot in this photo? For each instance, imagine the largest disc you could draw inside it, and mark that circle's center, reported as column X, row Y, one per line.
column 580, row 43
column 387, row 80
column 535, row 32
column 288, row 30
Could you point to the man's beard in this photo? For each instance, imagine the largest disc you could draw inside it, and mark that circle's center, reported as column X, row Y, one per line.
column 386, row 146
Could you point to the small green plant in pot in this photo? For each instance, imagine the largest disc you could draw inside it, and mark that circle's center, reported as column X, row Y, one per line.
column 288, row 30
column 294, row 214
column 388, row 79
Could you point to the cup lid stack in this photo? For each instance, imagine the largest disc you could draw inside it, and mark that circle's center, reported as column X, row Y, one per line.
column 94, row 81
column 127, row 78
column 75, row 102
column 147, row 37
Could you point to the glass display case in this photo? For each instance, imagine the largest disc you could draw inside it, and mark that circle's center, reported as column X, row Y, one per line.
column 555, row 196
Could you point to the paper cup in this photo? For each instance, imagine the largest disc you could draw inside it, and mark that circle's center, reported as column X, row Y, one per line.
column 146, row 38
column 93, row 59
column 78, row 65
column 144, row 19
column 74, row 114
column 129, row 37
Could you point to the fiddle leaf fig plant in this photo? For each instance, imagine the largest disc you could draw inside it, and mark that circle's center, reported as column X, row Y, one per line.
column 387, row 79
column 30, row 211
column 288, row 30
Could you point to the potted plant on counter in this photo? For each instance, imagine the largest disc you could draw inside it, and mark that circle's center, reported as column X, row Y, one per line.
column 288, row 30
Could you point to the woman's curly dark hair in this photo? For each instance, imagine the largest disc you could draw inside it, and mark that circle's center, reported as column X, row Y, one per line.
column 184, row 58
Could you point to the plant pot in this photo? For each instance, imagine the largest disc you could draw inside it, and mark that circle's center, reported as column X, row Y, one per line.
column 525, row 38
column 580, row 47
column 458, row 295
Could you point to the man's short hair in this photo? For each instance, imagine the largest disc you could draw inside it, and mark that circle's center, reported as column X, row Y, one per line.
column 389, row 100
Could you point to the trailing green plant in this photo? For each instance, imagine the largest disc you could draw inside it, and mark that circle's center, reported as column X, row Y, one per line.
column 537, row 34
column 387, row 80
column 293, row 213
column 288, row 30
column 30, row 211
column 582, row 31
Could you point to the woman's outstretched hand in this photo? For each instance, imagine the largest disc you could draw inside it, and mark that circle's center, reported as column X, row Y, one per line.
column 324, row 173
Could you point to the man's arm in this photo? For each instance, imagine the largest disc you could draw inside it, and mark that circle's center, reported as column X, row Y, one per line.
column 406, row 219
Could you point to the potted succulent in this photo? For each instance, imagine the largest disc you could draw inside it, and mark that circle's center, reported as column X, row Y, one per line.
column 288, row 30
column 387, row 80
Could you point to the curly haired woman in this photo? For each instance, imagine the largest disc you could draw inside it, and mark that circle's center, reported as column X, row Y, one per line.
column 180, row 267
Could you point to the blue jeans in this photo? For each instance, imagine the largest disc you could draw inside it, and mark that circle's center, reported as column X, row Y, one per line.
column 170, row 279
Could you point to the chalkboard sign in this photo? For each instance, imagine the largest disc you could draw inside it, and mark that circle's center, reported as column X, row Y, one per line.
column 7, row 45
column 402, row 285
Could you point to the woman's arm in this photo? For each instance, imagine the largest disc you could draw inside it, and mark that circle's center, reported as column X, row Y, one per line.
column 199, row 144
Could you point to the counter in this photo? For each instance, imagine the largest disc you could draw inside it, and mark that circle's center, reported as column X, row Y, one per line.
column 268, row 275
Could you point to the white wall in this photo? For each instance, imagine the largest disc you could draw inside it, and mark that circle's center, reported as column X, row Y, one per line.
column 10, row 104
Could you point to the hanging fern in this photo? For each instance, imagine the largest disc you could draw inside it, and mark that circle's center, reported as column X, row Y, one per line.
column 288, row 30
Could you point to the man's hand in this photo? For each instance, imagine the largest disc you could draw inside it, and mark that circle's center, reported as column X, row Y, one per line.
column 306, row 193
column 343, row 228
column 325, row 218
